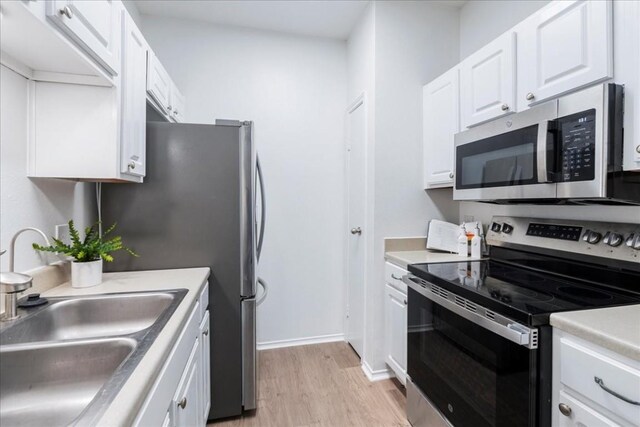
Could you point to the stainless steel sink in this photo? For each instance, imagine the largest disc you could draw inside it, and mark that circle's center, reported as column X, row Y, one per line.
column 64, row 363
column 89, row 317
column 52, row 384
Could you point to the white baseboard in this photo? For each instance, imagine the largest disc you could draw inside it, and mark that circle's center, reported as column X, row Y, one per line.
column 300, row 341
column 379, row 375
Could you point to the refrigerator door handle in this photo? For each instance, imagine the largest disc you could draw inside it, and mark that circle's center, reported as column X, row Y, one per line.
column 249, row 355
column 265, row 291
column 263, row 214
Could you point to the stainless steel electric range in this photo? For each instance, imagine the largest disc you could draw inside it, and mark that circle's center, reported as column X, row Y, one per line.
column 479, row 340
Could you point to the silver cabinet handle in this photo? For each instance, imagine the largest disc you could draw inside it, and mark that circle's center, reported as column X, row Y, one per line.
column 183, row 403
column 613, row 393
column 356, row 230
column 66, row 11
column 393, row 276
column 132, row 165
column 175, row 112
column 405, row 302
column 638, row 148
column 205, row 332
column 530, row 97
column 505, row 107
column 169, row 108
column 451, row 175
column 564, row 409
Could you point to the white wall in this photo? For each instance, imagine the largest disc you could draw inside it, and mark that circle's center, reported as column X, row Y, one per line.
column 393, row 51
column 25, row 202
column 482, row 21
column 294, row 89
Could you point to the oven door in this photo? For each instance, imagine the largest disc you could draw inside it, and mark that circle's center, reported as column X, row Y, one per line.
column 474, row 376
column 509, row 158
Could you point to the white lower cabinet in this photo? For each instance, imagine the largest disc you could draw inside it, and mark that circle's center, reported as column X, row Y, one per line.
column 592, row 385
column 205, row 385
column 180, row 396
column 186, row 402
column 396, row 323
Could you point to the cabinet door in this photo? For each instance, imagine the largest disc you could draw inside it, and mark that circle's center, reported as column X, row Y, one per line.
column 567, row 45
column 205, row 384
column 487, row 81
column 440, row 118
column 134, row 99
column 396, row 332
column 158, row 82
column 94, row 24
column 187, row 399
column 177, row 105
column 167, row 421
column 580, row 414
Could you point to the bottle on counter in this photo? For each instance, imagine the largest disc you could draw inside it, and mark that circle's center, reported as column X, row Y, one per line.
column 462, row 242
column 476, row 243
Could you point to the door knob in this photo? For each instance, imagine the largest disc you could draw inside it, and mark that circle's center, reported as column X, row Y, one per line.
column 66, row 11
column 356, row 230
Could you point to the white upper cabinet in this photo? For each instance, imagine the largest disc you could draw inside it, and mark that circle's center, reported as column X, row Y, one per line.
column 565, row 46
column 94, row 24
column 487, row 81
column 158, row 83
column 441, row 121
column 133, row 99
column 177, row 107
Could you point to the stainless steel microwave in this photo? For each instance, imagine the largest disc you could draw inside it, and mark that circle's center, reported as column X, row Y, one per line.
column 567, row 150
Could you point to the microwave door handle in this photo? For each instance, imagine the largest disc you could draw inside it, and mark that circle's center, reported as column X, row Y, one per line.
column 543, row 142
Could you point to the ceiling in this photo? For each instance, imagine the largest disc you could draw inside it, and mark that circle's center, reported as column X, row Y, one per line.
column 327, row 18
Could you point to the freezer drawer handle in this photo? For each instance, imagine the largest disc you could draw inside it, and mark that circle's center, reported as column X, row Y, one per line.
column 616, row 394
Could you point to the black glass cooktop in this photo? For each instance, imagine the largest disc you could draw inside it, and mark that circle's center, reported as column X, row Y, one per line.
column 527, row 295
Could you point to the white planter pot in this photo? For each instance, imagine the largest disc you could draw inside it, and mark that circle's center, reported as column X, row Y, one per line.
column 85, row 274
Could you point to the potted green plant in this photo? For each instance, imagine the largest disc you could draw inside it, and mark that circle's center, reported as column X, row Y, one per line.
column 88, row 253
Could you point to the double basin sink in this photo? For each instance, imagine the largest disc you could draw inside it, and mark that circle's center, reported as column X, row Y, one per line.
column 63, row 364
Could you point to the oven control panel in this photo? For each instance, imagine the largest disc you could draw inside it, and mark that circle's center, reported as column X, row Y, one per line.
column 554, row 231
column 619, row 241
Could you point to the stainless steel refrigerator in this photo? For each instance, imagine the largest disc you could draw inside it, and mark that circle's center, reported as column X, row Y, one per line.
column 197, row 208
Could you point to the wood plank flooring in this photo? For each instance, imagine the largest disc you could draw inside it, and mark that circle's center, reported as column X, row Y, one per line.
column 320, row 385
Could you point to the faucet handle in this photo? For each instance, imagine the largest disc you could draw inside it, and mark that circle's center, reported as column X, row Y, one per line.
column 11, row 283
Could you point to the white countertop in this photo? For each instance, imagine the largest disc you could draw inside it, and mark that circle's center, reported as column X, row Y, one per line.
column 127, row 403
column 614, row 328
column 404, row 258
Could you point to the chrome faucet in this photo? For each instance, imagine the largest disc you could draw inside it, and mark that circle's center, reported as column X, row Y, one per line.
column 12, row 283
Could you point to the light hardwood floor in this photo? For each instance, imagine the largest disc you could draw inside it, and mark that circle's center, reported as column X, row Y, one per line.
column 320, row 385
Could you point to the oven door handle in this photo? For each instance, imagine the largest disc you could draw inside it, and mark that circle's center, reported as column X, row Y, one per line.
column 487, row 319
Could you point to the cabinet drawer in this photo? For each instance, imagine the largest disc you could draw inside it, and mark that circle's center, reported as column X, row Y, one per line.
column 579, row 368
column 393, row 276
column 581, row 414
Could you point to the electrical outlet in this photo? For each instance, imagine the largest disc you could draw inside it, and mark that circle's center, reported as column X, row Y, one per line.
column 62, row 233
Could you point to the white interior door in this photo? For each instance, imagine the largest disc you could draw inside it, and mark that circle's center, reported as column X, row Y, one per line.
column 356, row 232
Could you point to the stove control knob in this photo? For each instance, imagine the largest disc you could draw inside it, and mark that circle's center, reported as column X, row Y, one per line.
column 496, row 227
column 594, row 237
column 636, row 242
column 585, row 236
column 629, row 241
column 613, row 239
column 506, row 228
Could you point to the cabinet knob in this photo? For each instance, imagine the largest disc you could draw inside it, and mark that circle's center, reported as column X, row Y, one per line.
column 505, row 107
column 451, row 175
column 183, row 403
column 169, row 108
column 66, row 11
column 564, row 409
column 405, row 302
column 131, row 165
column 175, row 112
column 637, row 148
column 530, row 97
column 205, row 332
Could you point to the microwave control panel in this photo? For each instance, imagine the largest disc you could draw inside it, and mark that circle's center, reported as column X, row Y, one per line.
column 576, row 137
